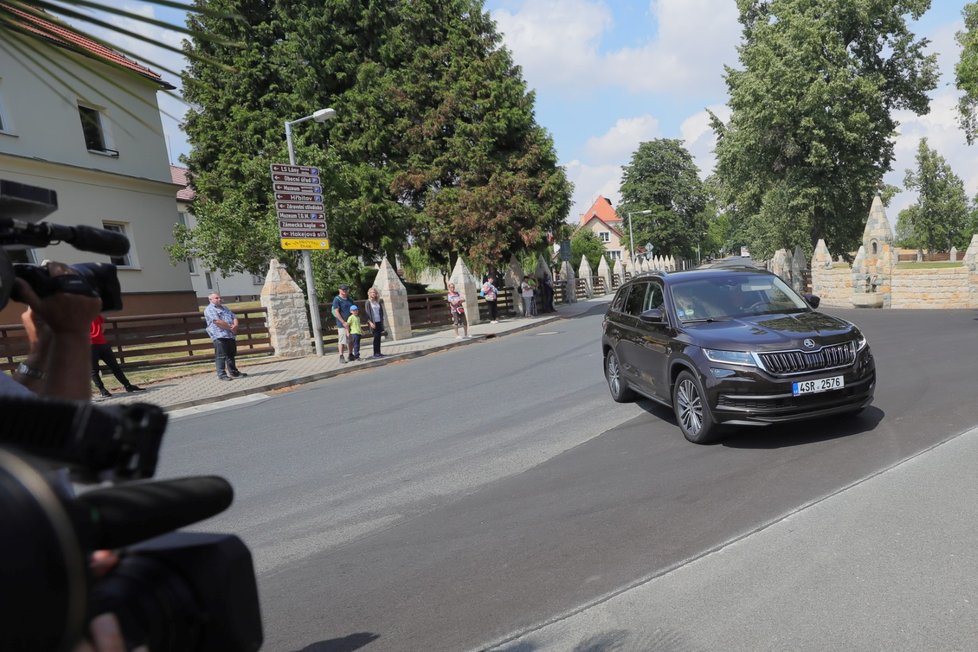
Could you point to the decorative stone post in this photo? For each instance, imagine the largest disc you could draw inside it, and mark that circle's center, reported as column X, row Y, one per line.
column 798, row 266
column 605, row 273
column 971, row 262
column 619, row 271
column 570, row 282
column 467, row 286
column 393, row 296
column 285, row 305
column 873, row 268
column 585, row 272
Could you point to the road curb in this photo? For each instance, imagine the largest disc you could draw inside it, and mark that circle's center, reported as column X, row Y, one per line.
column 367, row 364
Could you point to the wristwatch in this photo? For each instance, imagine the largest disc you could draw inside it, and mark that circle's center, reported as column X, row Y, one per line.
column 30, row 372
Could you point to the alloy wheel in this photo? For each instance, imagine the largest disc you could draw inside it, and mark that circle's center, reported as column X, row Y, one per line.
column 690, row 405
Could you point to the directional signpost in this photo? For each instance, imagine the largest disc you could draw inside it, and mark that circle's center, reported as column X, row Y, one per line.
column 299, row 206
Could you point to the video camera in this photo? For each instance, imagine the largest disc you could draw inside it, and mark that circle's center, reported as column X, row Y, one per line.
column 173, row 591
column 21, row 207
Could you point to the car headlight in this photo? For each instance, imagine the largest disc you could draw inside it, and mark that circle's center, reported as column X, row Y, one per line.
column 861, row 342
column 731, row 357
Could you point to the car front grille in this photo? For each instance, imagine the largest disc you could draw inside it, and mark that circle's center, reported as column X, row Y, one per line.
column 786, row 363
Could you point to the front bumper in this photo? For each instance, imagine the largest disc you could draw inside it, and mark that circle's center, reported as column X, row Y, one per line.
column 752, row 396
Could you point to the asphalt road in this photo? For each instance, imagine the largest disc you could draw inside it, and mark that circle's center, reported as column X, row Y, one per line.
column 450, row 501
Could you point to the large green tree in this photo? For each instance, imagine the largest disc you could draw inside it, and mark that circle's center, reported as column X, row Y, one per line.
column 811, row 129
column 966, row 73
column 662, row 191
column 434, row 139
column 940, row 218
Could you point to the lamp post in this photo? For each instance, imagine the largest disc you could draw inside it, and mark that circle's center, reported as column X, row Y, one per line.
column 631, row 238
column 322, row 115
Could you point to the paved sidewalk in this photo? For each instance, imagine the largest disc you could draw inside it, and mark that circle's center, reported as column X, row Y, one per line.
column 269, row 374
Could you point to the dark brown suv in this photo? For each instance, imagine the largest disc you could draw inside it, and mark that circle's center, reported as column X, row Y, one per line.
column 732, row 346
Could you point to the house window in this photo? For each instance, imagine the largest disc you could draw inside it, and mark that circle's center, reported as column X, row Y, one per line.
column 192, row 265
column 257, row 279
column 96, row 138
column 605, row 236
column 121, row 227
column 209, row 280
column 614, row 254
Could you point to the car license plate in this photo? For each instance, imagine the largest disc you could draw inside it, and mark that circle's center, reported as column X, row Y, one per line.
column 816, row 386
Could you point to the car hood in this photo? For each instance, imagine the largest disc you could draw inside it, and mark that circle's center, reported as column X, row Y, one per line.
column 772, row 332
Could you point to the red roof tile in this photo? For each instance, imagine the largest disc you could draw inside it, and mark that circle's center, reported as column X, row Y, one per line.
column 602, row 209
column 181, row 177
column 65, row 37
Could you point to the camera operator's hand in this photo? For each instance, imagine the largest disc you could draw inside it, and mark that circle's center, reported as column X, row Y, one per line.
column 57, row 326
column 106, row 636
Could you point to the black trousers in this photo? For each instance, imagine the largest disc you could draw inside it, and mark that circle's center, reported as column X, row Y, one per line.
column 493, row 309
column 225, row 350
column 378, row 332
column 103, row 353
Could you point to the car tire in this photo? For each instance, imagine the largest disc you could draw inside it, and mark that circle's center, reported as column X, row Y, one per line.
column 620, row 391
column 692, row 411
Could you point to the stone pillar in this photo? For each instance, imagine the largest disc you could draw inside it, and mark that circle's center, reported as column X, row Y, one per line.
column 570, row 282
column 954, row 255
column 619, row 270
column 288, row 321
column 513, row 278
column 605, row 273
column 468, row 287
column 393, row 296
column 971, row 262
column 585, row 273
column 798, row 267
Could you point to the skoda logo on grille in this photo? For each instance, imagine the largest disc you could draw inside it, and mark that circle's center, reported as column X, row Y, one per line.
column 809, row 344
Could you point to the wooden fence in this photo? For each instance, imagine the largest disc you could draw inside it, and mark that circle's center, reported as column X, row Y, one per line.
column 156, row 340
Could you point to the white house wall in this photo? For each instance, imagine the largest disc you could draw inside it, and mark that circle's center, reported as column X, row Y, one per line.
column 42, row 112
column 234, row 285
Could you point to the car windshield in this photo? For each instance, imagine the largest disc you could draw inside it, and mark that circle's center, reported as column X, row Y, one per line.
column 737, row 295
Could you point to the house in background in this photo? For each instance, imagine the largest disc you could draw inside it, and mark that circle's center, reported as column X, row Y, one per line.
column 602, row 219
column 235, row 287
column 83, row 120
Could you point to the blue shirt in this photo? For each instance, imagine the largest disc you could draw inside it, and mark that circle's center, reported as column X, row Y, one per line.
column 223, row 313
column 344, row 308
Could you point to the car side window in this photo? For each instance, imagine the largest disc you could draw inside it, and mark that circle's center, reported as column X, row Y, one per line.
column 635, row 304
column 619, row 302
column 653, row 298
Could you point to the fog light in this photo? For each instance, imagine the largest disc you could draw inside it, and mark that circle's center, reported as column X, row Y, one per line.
column 722, row 373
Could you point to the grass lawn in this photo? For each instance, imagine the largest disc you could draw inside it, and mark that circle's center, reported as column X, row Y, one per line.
column 913, row 265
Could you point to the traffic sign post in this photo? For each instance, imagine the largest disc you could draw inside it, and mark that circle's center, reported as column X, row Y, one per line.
column 298, row 196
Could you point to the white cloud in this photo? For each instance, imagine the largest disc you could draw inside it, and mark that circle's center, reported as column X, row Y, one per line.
column 618, row 143
column 558, row 43
column 589, row 182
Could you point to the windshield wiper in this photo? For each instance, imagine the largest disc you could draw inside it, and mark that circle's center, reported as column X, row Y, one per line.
column 706, row 320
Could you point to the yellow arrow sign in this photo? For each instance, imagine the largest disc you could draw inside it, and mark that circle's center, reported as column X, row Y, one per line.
column 304, row 243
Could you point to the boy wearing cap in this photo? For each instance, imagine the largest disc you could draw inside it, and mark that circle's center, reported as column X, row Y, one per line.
column 355, row 332
column 341, row 312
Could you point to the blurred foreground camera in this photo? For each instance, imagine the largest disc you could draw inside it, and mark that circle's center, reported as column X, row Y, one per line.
column 173, row 591
column 21, row 206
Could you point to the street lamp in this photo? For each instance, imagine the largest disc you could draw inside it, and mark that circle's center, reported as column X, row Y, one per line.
column 322, row 115
column 631, row 238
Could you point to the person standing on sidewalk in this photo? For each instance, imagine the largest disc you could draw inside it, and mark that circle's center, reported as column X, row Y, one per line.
column 222, row 326
column 341, row 312
column 491, row 294
column 375, row 319
column 353, row 321
column 456, row 305
column 526, row 292
column 101, row 351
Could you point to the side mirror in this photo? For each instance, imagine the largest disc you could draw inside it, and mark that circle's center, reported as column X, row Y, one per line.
column 812, row 300
column 653, row 316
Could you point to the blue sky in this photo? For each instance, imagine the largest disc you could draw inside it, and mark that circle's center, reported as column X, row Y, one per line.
column 609, row 75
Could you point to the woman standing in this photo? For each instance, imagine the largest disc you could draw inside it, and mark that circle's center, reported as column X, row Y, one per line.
column 490, row 292
column 456, row 304
column 375, row 318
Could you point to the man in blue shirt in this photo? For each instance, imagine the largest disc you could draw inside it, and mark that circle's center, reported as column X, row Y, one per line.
column 222, row 326
column 341, row 311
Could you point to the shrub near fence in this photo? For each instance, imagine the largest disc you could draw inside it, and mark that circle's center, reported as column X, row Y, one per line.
column 156, row 340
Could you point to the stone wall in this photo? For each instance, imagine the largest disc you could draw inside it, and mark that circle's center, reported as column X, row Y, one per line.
column 833, row 284
column 947, row 287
